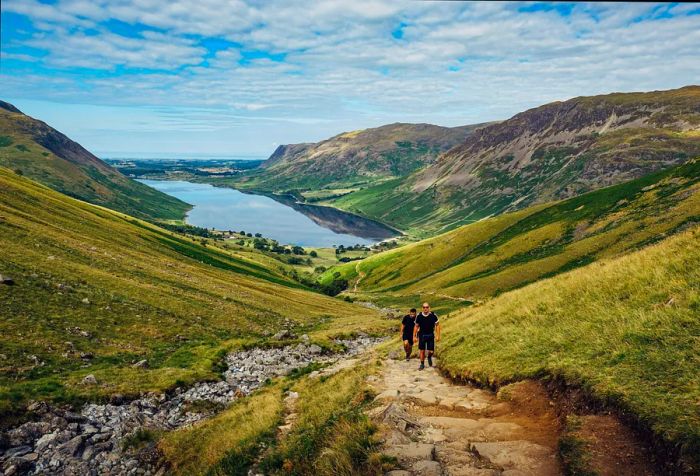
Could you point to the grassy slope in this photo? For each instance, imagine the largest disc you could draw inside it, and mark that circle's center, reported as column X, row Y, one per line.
column 150, row 294
column 331, row 436
column 65, row 166
column 507, row 251
column 555, row 151
column 628, row 329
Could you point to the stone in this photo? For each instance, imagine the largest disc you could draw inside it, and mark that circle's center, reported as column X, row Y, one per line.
column 18, row 451
column 412, row 451
column 283, row 334
column 315, row 349
column 387, row 395
column 74, row 417
column 72, row 447
column 523, row 455
column 6, row 280
column 427, row 468
column 43, row 442
column 141, row 364
column 398, row 472
column 90, row 380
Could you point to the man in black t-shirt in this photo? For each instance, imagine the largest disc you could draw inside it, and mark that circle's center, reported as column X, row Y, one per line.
column 428, row 331
column 407, row 325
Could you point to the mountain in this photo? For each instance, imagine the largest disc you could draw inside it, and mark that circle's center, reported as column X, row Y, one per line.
column 354, row 159
column 95, row 291
column 40, row 152
column 494, row 255
column 551, row 152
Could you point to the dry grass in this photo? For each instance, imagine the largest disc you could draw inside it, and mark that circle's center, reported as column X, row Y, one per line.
column 219, row 444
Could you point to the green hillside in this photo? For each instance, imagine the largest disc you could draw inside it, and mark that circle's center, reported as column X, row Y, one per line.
column 627, row 330
column 41, row 153
column 117, row 290
column 551, row 152
column 505, row 252
column 350, row 161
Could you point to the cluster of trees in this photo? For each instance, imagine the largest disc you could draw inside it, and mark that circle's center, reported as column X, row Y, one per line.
column 189, row 230
column 342, row 249
column 386, row 245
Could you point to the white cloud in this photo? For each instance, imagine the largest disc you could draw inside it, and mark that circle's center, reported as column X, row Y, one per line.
column 454, row 63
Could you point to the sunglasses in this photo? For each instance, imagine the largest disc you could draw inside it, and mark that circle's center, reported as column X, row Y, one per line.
column 426, row 307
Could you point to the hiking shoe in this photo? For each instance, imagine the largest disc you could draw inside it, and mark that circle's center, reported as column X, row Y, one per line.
column 407, row 359
column 422, row 366
column 430, row 360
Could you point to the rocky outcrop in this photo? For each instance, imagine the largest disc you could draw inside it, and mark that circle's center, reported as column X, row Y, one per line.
column 92, row 441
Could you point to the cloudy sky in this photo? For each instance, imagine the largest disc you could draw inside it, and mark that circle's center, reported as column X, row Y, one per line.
column 227, row 77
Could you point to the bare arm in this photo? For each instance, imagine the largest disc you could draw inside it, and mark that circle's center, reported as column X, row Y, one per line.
column 401, row 331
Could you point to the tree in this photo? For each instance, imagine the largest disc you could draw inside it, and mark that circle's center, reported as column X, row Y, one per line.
column 258, row 235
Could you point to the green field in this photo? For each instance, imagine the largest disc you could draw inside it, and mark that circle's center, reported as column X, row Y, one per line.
column 495, row 255
column 117, row 289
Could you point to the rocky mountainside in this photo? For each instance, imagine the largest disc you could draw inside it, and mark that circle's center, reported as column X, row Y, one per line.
column 550, row 152
column 355, row 158
column 35, row 149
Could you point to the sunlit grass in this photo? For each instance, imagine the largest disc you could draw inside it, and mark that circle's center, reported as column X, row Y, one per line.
column 628, row 329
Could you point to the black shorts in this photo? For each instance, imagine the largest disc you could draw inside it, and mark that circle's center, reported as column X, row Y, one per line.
column 426, row 342
column 409, row 338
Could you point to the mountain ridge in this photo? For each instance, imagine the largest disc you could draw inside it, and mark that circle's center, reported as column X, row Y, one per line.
column 355, row 158
column 551, row 152
column 41, row 152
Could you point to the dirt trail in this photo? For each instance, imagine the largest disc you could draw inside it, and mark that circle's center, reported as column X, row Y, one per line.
column 434, row 427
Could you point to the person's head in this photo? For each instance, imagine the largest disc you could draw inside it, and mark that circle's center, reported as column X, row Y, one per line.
column 412, row 312
column 426, row 307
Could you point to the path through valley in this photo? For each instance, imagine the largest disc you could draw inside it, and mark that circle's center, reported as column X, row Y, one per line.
column 434, row 427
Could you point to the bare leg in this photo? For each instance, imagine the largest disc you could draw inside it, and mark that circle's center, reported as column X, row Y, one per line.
column 407, row 347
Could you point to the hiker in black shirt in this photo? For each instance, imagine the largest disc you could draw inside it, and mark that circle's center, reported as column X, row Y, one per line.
column 407, row 325
column 428, row 331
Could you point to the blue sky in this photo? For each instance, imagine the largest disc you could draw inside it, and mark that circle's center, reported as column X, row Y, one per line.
column 228, row 77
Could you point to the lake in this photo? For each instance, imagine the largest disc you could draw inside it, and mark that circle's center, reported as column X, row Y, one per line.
column 281, row 218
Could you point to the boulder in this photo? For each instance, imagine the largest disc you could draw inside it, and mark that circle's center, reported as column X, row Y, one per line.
column 427, row 468
column 72, row 447
column 315, row 349
column 141, row 364
column 6, row 280
column 283, row 334
column 45, row 441
column 90, row 380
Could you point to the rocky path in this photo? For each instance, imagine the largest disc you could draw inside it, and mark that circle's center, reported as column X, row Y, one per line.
column 90, row 440
column 434, row 427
